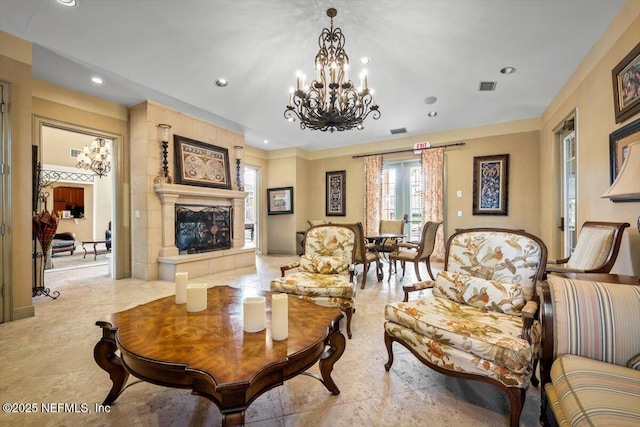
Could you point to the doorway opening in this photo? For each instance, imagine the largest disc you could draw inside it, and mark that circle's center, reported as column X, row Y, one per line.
column 83, row 202
column 251, row 217
column 566, row 149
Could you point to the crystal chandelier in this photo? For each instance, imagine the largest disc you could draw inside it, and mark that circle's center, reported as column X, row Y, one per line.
column 331, row 102
column 97, row 158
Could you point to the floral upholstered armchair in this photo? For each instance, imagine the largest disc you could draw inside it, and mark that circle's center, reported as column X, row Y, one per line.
column 480, row 322
column 325, row 270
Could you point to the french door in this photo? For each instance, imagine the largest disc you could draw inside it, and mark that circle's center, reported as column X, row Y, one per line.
column 402, row 187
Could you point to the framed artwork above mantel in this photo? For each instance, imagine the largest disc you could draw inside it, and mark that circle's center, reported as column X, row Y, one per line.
column 201, row 164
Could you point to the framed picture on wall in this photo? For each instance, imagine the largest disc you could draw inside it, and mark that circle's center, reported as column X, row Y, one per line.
column 280, row 200
column 201, row 164
column 491, row 185
column 626, row 85
column 335, row 192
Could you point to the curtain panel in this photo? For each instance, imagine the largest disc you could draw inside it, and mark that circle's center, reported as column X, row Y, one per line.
column 433, row 210
column 373, row 193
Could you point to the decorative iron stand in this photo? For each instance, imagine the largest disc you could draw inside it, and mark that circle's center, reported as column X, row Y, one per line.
column 39, row 288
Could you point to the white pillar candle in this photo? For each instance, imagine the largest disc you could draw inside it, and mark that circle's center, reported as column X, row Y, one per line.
column 254, row 311
column 279, row 317
column 197, row 297
column 181, row 287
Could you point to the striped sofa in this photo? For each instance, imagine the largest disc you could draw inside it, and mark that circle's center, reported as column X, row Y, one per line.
column 590, row 353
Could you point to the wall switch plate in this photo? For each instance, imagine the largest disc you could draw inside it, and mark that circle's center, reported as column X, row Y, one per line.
column 459, row 213
column 459, row 194
column 137, row 213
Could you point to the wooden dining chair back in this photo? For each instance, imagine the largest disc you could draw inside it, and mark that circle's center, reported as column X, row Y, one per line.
column 416, row 252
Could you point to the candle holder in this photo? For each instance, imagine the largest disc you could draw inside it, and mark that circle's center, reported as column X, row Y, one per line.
column 238, row 152
column 163, row 136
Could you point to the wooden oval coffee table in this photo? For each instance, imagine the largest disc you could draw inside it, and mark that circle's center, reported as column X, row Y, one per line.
column 209, row 352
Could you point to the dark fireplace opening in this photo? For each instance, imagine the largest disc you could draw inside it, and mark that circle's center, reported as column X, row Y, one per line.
column 203, row 228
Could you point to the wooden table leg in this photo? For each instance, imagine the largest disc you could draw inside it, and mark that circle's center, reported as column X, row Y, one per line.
column 233, row 419
column 336, row 343
column 105, row 357
column 95, row 251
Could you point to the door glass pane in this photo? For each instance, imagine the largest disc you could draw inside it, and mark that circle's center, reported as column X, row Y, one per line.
column 570, row 194
column 388, row 194
column 402, row 195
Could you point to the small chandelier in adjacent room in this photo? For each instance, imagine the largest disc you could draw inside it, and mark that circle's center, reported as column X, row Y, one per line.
column 97, row 158
column 331, row 102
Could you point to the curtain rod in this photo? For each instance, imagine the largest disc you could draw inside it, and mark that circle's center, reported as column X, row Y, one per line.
column 455, row 144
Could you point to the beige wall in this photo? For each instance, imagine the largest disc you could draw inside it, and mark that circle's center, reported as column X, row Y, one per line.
column 146, row 166
column 281, row 236
column 589, row 91
column 523, row 180
column 15, row 69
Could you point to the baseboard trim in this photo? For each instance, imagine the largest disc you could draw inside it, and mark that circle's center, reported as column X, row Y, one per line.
column 24, row 312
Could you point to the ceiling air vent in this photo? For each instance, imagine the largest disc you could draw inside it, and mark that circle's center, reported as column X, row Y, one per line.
column 397, row 131
column 487, row 86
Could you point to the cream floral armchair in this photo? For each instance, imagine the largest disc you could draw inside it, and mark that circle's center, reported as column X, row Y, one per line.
column 325, row 270
column 480, row 322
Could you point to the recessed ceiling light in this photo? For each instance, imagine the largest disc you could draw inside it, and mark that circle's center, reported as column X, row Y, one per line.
column 266, row 141
column 365, row 60
column 221, row 82
column 97, row 80
column 430, row 100
column 432, row 113
column 69, row 3
column 508, row 70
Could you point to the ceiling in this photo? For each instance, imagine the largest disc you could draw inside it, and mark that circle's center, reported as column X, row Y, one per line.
column 171, row 52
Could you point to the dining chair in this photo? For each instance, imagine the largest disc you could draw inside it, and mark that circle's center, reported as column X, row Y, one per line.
column 389, row 226
column 416, row 252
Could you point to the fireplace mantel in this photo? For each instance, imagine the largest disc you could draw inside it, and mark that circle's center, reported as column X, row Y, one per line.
column 209, row 262
column 190, row 191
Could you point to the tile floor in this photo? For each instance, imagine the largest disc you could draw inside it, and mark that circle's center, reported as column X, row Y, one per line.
column 48, row 359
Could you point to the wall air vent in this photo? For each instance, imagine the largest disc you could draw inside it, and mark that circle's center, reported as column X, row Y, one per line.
column 488, row 86
column 397, row 131
column 74, row 152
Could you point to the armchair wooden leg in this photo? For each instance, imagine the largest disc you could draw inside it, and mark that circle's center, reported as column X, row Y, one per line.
column 516, row 397
column 534, row 378
column 388, row 342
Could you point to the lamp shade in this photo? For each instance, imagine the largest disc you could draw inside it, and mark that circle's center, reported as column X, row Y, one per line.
column 627, row 184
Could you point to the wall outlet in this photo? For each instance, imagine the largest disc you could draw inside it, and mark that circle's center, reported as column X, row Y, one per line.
column 459, row 194
column 459, row 213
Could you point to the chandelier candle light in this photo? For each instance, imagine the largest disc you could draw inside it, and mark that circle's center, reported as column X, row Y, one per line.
column 331, row 102
column 97, row 158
